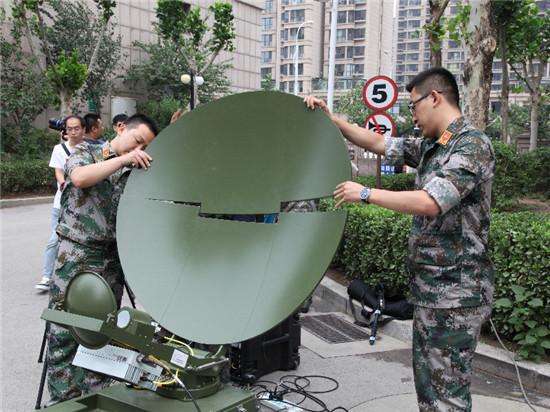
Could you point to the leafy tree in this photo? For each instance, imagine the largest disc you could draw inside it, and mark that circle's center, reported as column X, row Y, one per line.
column 25, row 92
column 353, row 106
column 436, row 30
column 61, row 35
column 184, row 31
column 268, row 83
column 528, row 45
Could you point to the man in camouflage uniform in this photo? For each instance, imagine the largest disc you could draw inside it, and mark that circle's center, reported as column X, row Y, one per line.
column 452, row 276
column 95, row 178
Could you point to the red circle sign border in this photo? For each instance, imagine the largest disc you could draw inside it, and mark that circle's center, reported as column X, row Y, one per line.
column 382, row 114
column 372, row 79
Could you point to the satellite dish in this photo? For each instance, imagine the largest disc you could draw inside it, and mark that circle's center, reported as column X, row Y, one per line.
column 219, row 281
column 88, row 294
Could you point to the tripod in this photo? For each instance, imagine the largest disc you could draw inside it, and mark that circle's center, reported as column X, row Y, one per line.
column 44, row 361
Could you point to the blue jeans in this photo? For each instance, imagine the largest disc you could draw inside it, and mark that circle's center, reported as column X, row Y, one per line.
column 51, row 247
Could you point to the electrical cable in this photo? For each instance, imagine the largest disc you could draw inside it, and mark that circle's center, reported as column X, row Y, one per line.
column 178, row 380
column 179, row 342
column 515, row 364
column 295, row 384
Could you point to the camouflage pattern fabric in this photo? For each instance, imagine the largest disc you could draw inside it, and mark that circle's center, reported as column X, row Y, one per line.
column 66, row 381
column 88, row 216
column 444, row 342
column 448, row 254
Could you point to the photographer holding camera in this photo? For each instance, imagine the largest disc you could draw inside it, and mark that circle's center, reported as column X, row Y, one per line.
column 72, row 131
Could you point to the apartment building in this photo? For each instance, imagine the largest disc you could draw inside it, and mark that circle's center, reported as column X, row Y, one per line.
column 296, row 37
column 413, row 50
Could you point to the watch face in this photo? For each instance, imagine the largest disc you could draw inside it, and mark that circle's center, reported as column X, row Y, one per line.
column 364, row 193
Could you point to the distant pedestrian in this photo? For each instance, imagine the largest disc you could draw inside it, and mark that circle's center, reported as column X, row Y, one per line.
column 94, row 129
column 74, row 132
column 119, row 123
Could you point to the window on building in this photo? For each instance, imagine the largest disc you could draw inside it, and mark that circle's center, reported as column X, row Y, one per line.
column 267, row 40
column 413, row 24
column 358, row 51
column 412, row 67
column 413, row 46
column 360, row 1
column 400, row 57
column 284, row 52
column 283, row 69
column 403, row 3
column 341, row 52
column 291, row 71
column 454, row 44
column 348, row 72
column 403, row 13
column 293, row 32
column 401, row 46
column 412, row 57
column 285, row 16
column 284, row 35
column 358, row 69
column 268, row 8
column 400, row 68
column 267, row 23
column 339, row 69
column 359, row 34
column 349, row 52
column 414, row 12
column 282, row 86
column 427, row 55
column 266, row 72
column 341, row 35
column 297, row 16
column 342, row 17
column 351, row 16
column 360, row 15
column 497, row 77
column 401, row 35
column 402, row 24
column 455, row 55
column 291, row 50
column 266, row 57
column 415, row 2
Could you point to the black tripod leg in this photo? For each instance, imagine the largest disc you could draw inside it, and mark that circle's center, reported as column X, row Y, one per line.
column 44, row 339
column 42, row 383
column 130, row 294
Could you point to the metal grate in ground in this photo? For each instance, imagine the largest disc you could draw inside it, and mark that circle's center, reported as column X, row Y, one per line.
column 333, row 329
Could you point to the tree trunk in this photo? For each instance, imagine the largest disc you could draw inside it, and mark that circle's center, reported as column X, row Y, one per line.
column 65, row 107
column 504, row 134
column 478, row 68
column 535, row 103
column 437, row 8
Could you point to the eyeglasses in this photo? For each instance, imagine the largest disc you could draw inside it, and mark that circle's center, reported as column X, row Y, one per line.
column 412, row 105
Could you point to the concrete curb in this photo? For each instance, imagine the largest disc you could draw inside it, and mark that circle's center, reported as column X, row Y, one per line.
column 27, row 201
column 331, row 296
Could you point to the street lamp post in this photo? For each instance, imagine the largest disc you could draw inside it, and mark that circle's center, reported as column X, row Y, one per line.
column 296, row 55
column 193, row 80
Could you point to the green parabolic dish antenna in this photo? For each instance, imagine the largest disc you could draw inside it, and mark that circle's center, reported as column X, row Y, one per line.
column 222, row 281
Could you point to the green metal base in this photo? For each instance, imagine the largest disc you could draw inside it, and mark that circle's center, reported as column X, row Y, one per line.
column 119, row 398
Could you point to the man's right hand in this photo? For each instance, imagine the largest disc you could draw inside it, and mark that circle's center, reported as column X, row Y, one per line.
column 136, row 158
column 312, row 102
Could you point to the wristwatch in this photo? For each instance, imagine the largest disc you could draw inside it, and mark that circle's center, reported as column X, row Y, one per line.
column 364, row 194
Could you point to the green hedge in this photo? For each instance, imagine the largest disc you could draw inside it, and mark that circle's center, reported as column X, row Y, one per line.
column 18, row 176
column 374, row 248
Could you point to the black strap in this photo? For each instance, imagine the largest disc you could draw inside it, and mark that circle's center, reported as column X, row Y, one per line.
column 65, row 148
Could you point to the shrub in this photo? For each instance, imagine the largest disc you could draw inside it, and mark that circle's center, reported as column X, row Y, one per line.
column 27, row 143
column 159, row 110
column 26, row 176
column 401, row 181
column 374, row 247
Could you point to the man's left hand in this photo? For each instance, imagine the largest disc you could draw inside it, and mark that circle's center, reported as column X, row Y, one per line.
column 347, row 192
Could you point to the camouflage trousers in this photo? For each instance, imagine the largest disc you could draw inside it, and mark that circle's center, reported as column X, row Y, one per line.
column 444, row 342
column 66, row 381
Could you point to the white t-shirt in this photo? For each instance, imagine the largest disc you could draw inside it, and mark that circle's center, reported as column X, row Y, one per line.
column 57, row 161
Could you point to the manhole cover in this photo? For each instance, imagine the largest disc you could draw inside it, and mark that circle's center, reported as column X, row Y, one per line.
column 333, row 329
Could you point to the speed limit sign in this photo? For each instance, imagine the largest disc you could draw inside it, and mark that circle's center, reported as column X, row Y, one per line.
column 380, row 93
column 381, row 123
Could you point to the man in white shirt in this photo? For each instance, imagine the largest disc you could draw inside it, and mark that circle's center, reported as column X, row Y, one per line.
column 74, row 127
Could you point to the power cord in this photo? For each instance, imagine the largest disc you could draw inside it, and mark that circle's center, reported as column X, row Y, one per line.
column 295, row 384
column 509, row 353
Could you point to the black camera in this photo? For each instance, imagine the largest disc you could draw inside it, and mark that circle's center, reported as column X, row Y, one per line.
column 57, row 124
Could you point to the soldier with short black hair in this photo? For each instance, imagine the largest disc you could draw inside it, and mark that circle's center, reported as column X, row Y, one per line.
column 452, row 276
column 95, row 176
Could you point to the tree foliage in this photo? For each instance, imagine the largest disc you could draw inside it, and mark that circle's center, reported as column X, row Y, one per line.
column 62, row 26
column 25, row 91
column 185, row 37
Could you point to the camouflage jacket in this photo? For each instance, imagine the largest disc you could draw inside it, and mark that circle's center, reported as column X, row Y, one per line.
column 448, row 254
column 88, row 216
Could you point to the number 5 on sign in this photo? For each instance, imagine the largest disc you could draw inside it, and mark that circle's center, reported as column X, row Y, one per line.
column 380, row 93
